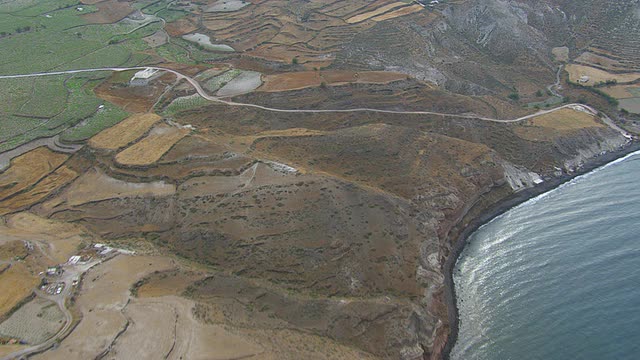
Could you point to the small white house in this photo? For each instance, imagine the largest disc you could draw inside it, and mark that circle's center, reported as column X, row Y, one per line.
column 143, row 77
column 583, row 79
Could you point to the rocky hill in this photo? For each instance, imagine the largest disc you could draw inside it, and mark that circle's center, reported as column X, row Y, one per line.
column 335, row 227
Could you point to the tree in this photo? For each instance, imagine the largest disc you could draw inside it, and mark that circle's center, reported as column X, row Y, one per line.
column 514, row 96
column 539, row 93
column 294, row 61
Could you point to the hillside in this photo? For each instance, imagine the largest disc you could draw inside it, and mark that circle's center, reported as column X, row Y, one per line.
column 293, row 179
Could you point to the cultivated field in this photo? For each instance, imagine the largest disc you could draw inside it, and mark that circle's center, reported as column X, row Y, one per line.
column 270, row 30
column 151, row 148
column 550, row 126
column 16, row 283
column 40, row 191
column 34, row 322
column 597, row 76
column 379, row 11
column 566, row 120
column 301, row 80
column 27, row 169
column 102, row 119
column 125, row 132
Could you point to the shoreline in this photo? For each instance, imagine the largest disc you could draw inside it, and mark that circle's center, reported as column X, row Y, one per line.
column 500, row 208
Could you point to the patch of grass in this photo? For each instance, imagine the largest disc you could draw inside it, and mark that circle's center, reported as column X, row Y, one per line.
column 104, row 118
column 54, row 105
column 49, row 35
column 174, row 53
column 185, row 103
column 171, row 15
column 59, row 38
column 215, row 83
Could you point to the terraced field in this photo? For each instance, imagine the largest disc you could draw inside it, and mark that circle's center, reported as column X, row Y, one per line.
column 270, row 30
column 310, row 212
column 124, row 132
column 151, row 148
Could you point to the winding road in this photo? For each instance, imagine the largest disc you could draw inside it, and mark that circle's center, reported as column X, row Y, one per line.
column 204, row 94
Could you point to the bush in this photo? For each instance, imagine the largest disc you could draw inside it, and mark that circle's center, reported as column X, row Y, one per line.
column 294, row 61
column 514, row 96
column 539, row 93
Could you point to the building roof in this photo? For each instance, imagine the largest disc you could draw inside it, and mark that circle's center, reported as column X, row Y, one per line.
column 144, row 74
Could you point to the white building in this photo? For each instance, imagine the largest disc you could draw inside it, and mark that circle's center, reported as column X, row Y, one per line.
column 143, row 77
column 583, row 79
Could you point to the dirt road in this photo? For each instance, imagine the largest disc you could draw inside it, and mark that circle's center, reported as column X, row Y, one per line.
column 204, row 94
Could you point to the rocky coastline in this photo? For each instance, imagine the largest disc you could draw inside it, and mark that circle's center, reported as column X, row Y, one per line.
column 500, row 208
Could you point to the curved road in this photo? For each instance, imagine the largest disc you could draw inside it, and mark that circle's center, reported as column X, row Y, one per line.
column 202, row 93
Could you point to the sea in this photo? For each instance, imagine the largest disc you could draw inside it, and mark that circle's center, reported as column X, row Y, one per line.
column 557, row 277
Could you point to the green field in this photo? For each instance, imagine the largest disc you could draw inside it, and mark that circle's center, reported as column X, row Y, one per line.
column 102, row 119
column 214, row 84
column 59, row 38
column 47, row 106
column 51, row 35
column 185, row 103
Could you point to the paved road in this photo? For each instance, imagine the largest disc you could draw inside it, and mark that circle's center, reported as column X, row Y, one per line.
column 204, row 94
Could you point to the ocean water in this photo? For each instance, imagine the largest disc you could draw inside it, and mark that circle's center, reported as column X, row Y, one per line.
column 557, row 277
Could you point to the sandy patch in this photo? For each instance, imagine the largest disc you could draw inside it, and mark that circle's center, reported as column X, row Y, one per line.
column 151, row 148
column 125, row 132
